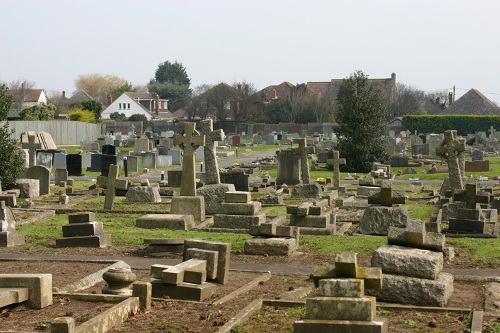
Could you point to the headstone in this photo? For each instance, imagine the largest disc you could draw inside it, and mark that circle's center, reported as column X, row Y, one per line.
column 452, row 149
column 257, row 139
column 288, row 168
column 337, row 161
column 303, row 150
column 43, row 175
column 44, row 159
column 164, row 161
column 109, row 150
column 133, row 164
column 106, row 161
column 112, row 175
column 32, row 146
column 176, row 156
column 270, row 139
column 209, row 150
column 61, row 176
column 74, row 164
column 95, row 162
column 83, row 231
column 141, row 145
column 235, row 140
column 59, row 161
column 162, row 150
column 149, row 160
column 236, row 177
column 477, row 155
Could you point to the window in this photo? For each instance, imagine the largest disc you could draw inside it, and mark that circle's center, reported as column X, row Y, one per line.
column 128, row 106
column 119, row 106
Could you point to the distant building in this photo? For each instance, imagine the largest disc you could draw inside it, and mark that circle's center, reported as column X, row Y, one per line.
column 130, row 103
column 22, row 98
column 474, row 103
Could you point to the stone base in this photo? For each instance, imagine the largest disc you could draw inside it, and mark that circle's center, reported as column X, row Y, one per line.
column 9, row 238
column 307, row 191
column 39, row 286
column 238, row 221
column 271, row 246
column 99, row 241
column 415, row 291
column 214, row 196
column 184, row 290
column 340, row 326
column 82, row 229
column 185, row 205
column 311, row 221
column 329, row 231
column 166, row 221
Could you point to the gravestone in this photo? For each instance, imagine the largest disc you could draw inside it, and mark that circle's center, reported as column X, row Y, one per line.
column 141, row 145
column 149, row 160
column 83, row 231
column 162, row 151
column 477, row 155
column 61, row 177
column 452, row 149
column 106, row 161
column 303, row 150
column 270, row 139
column 44, row 159
column 32, row 146
column 337, row 162
column 112, row 175
column 43, row 175
column 74, row 164
column 133, row 164
column 188, row 202
column 288, row 168
column 164, row 161
column 59, row 161
column 109, row 150
column 257, row 139
column 422, row 149
column 95, row 163
column 209, row 150
column 8, row 235
column 237, row 177
column 176, row 156
column 235, row 140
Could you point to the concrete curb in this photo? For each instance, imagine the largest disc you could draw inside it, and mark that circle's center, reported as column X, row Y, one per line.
column 264, row 277
column 241, row 316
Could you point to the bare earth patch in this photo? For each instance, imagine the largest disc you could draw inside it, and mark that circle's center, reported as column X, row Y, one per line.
column 177, row 316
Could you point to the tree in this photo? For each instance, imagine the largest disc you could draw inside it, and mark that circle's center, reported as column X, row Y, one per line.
column 139, row 117
column 361, row 116
column 94, row 106
column 11, row 160
column 219, row 98
column 79, row 114
column 38, row 112
column 171, row 82
column 245, row 96
column 117, row 116
column 19, row 89
column 174, row 73
column 297, row 92
column 99, row 86
column 277, row 111
column 118, row 91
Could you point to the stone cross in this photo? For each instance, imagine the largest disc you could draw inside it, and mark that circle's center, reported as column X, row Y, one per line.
column 109, row 200
column 302, row 150
column 211, row 167
column 492, row 132
column 387, row 197
column 32, row 146
column 337, row 161
column 471, row 196
column 189, row 140
column 452, row 149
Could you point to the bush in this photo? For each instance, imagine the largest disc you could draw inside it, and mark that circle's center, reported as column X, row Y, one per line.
column 464, row 124
column 83, row 116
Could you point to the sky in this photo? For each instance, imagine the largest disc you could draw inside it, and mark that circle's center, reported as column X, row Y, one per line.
column 429, row 44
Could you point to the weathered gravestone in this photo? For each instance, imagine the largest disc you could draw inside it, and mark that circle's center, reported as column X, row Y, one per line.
column 8, row 235
column 43, row 175
column 452, row 149
column 303, row 151
column 337, row 162
column 188, row 202
column 288, row 168
column 83, row 231
column 149, row 160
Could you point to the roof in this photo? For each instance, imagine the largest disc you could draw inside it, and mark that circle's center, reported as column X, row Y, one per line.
column 473, row 102
column 282, row 90
column 79, row 96
column 387, row 86
column 139, row 95
column 28, row 96
column 179, row 113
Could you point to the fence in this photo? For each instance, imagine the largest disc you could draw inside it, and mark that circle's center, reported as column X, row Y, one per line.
column 63, row 132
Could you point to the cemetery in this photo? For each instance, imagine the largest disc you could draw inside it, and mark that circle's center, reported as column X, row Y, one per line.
column 203, row 231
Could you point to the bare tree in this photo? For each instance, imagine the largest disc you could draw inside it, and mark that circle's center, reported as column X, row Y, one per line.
column 297, row 92
column 245, row 95
column 99, row 86
column 19, row 90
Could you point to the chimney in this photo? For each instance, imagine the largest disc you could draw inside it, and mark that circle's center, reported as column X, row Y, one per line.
column 110, row 99
column 450, row 98
column 157, row 105
column 63, row 94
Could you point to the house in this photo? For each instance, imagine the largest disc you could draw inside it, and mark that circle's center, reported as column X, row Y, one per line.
column 77, row 97
column 130, row 103
column 22, row 98
column 219, row 102
column 271, row 92
column 474, row 103
column 386, row 86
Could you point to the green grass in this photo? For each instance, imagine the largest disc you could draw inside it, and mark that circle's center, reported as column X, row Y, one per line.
column 482, row 251
column 326, row 246
column 420, row 211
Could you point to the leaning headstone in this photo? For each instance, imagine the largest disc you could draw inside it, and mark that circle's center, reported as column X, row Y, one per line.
column 43, row 175
column 83, row 231
column 143, row 194
column 209, row 149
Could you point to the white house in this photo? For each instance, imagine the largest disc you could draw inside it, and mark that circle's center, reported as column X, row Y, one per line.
column 22, row 98
column 130, row 103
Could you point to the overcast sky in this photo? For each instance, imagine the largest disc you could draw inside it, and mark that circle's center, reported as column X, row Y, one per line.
column 429, row 44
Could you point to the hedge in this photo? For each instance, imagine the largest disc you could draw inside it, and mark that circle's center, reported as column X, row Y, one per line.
column 464, row 124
